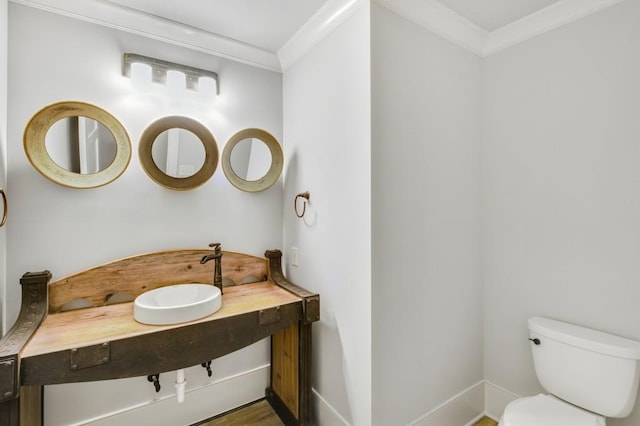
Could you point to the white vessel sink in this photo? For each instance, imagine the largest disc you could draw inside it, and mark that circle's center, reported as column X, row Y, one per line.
column 176, row 303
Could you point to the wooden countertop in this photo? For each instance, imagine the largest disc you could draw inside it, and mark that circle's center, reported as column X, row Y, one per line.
column 91, row 326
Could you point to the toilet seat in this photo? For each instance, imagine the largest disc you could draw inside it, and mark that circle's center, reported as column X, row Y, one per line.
column 545, row 410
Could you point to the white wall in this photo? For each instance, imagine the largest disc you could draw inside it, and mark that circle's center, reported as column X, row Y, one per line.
column 54, row 58
column 561, row 187
column 3, row 148
column 327, row 146
column 427, row 292
column 556, row 231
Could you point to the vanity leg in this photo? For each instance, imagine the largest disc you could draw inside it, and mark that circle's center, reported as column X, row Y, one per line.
column 25, row 410
column 305, row 415
column 10, row 412
column 290, row 390
column 31, row 406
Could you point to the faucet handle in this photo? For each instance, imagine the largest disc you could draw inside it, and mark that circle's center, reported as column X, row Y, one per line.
column 215, row 246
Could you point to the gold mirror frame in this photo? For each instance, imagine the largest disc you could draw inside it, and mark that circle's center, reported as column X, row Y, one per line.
column 160, row 177
column 36, row 150
column 272, row 174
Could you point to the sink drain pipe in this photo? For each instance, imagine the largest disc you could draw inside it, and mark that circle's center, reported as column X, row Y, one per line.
column 181, row 382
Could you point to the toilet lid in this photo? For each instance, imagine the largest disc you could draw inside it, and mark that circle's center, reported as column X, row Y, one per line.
column 544, row 410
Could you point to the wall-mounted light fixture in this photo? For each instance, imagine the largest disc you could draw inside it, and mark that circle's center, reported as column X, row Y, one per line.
column 195, row 78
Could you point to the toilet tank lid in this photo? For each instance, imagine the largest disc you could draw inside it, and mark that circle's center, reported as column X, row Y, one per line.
column 585, row 338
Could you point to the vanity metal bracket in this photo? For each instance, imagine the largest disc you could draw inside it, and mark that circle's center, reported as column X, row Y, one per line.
column 32, row 312
column 311, row 309
column 269, row 316
column 310, row 301
column 8, row 388
column 89, row 356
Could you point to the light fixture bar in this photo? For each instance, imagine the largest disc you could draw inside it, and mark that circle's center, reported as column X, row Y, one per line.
column 159, row 70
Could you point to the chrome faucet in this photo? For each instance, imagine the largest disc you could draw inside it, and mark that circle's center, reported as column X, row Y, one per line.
column 217, row 271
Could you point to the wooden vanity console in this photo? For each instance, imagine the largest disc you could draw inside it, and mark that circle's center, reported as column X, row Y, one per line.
column 81, row 328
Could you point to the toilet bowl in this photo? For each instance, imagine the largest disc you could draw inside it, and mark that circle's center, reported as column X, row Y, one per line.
column 546, row 410
column 590, row 375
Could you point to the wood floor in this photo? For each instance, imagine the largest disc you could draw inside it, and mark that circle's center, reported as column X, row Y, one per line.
column 486, row 422
column 261, row 414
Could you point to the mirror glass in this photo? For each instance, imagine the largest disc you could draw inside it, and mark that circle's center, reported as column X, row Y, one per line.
column 179, row 153
column 80, row 145
column 251, row 159
column 77, row 145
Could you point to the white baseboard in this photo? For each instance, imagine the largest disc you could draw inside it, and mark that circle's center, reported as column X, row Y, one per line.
column 464, row 408
column 324, row 413
column 496, row 399
column 199, row 403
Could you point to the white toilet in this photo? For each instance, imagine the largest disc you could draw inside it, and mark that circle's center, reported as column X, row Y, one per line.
column 589, row 375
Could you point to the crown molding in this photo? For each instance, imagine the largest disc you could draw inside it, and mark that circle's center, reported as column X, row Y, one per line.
column 439, row 19
column 547, row 19
column 429, row 14
column 108, row 14
column 322, row 23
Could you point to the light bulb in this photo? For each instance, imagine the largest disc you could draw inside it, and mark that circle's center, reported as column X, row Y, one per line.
column 140, row 76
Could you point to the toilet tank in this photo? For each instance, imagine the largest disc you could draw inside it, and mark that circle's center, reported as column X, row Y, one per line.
column 591, row 369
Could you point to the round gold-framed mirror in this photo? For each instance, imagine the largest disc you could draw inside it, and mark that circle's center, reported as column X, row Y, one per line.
column 77, row 145
column 252, row 160
column 170, row 140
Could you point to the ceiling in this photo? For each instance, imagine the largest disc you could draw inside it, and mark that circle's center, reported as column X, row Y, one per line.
column 269, row 24
column 493, row 14
column 273, row 34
